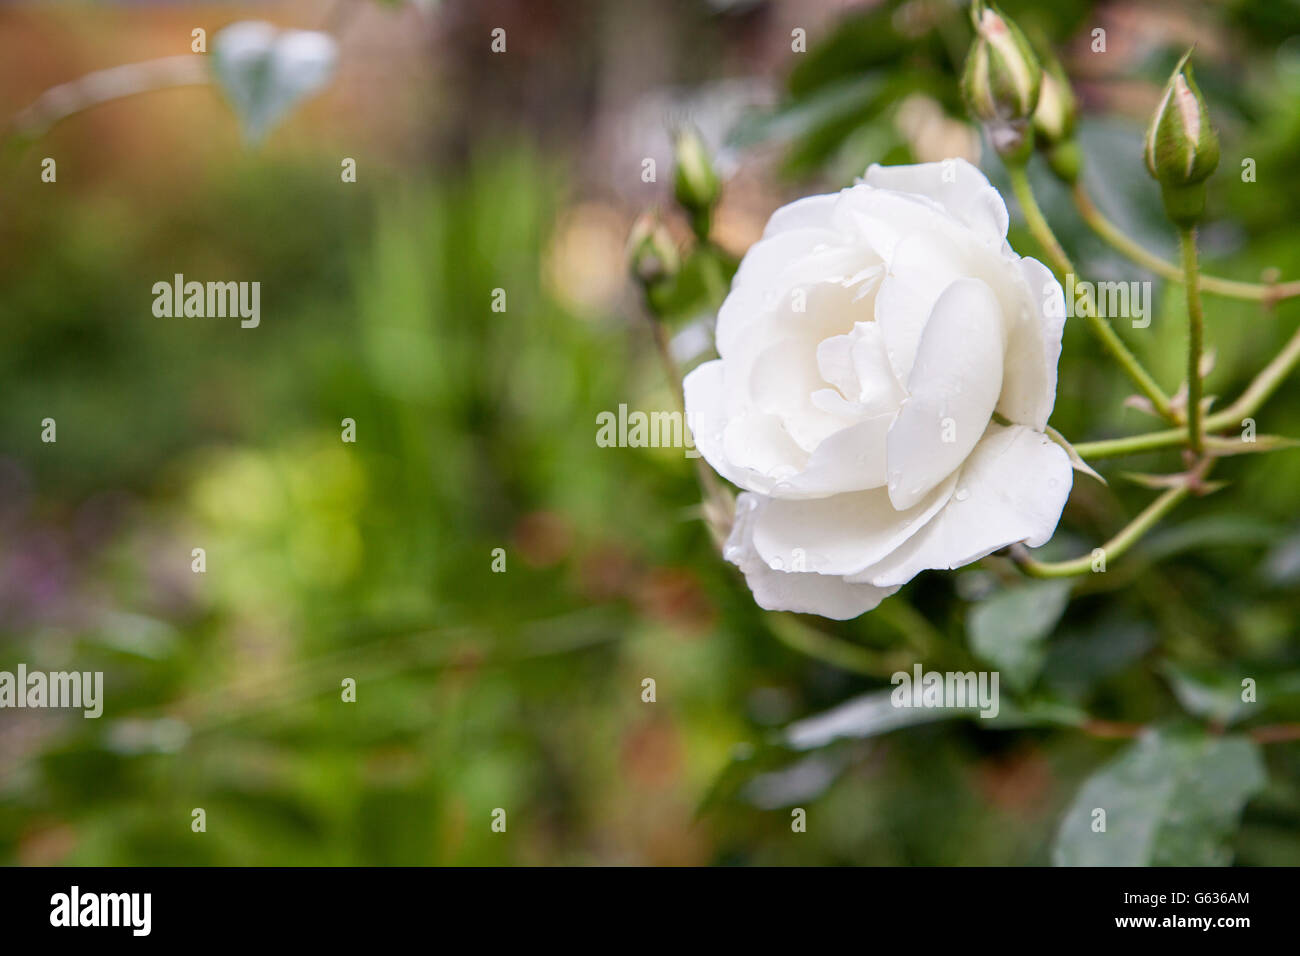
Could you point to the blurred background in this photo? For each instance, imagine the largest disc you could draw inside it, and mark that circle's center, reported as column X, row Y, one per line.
column 475, row 430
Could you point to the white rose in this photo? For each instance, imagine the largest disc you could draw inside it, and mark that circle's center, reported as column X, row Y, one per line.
column 868, row 340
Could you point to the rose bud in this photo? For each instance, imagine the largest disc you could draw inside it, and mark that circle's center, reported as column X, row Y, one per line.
column 1001, row 82
column 1054, row 121
column 651, row 253
column 1182, row 149
column 695, row 183
column 1054, row 117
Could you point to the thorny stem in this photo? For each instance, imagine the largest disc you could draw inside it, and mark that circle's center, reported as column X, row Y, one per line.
column 1110, row 339
column 1195, row 338
column 1112, row 447
column 1113, row 548
column 1116, row 238
column 1261, row 387
column 1177, row 437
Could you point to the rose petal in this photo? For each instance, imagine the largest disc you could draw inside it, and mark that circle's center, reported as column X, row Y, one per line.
column 956, row 185
column 762, row 285
column 782, row 381
column 884, row 219
column 754, row 452
column 758, row 445
column 923, row 265
column 880, row 390
column 1011, row 489
column 852, row 459
column 835, row 364
column 1034, row 349
column 858, row 366
column 709, row 421
column 953, row 388
column 809, row 593
column 843, row 534
column 811, row 212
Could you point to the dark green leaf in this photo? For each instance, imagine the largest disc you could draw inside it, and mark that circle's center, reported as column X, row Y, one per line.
column 1170, row 799
column 1008, row 629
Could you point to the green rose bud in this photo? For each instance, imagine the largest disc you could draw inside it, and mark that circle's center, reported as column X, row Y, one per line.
column 695, row 182
column 1054, row 121
column 1001, row 82
column 651, row 253
column 1055, row 114
column 1182, row 149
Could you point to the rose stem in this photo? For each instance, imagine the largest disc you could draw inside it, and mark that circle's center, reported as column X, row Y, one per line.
column 1115, row 236
column 1261, row 387
column 1195, row 339
column 1109, row 337
column 1112, row 549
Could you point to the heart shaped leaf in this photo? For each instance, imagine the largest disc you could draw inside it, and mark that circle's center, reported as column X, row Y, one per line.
column 265, row 71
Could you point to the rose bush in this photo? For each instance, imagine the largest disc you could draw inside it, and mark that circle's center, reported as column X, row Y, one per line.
column 887, row 369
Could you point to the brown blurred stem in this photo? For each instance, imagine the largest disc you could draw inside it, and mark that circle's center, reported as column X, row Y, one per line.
column 1275, row 733
column 719, row 507
column 1110, row 729
column 101, row 86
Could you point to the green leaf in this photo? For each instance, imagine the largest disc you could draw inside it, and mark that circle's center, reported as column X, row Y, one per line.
column 1083, row 654
column 799, row 782
column 1204, row 693
column 868, row 715
column 836, row 103
column 867, row 41
column 1170, row 799
column 1008, row 629
column 746, row 763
